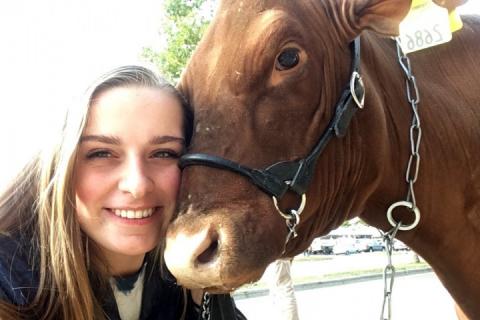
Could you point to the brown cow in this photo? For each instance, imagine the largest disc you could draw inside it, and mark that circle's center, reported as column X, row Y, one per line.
column 264, row 83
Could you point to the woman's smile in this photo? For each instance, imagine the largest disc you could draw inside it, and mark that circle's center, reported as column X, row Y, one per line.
column 132, row 213
column 135, row 216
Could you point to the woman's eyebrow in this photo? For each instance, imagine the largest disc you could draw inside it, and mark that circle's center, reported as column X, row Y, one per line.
column 100, row 138
column 116, row 141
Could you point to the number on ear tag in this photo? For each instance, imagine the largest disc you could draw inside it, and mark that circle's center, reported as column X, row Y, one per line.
column 426, row 25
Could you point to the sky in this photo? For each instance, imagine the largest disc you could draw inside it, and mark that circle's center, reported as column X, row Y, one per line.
column 52, row 49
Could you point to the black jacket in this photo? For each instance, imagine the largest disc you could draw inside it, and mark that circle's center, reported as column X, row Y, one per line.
column 161, row 299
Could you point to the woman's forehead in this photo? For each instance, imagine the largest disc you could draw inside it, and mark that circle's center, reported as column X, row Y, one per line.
column 126, row 108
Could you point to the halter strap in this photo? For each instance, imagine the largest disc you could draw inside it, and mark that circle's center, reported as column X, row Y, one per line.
column 276, row 179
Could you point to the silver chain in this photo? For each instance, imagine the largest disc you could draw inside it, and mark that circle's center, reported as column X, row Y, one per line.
column 411, row 176
column 206, row 306
column 415, row 129
column 292, row 218
column 292, row 224
column 388, row 273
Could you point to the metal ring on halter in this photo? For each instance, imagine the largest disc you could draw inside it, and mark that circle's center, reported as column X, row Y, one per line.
column 409, row 205
column 288, row 216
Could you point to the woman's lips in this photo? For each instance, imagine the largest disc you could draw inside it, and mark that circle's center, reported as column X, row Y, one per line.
column 135, row 216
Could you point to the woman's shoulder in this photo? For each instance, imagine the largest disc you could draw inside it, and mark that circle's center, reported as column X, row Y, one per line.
column 163, row 298
column 18, row 280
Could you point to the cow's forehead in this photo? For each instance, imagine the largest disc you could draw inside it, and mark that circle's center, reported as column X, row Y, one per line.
column 239, row 21
column 250, row 29
column 240, row 44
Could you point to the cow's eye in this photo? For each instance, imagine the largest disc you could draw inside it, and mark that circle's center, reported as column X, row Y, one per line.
column 287, row 59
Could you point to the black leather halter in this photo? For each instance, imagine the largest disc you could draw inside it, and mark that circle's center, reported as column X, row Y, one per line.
column 295, row 175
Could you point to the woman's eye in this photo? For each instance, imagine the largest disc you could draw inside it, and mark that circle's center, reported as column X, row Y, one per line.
column 99, row 154
column 166, row 154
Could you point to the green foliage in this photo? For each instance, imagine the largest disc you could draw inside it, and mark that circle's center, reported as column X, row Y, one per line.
column 185, row 22
column 353, row 222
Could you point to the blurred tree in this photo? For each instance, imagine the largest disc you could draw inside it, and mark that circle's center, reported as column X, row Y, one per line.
column 185, row 21
column 354, row 222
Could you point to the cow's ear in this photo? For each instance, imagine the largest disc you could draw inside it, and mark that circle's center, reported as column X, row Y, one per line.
column 381, row 16
column 450, row 4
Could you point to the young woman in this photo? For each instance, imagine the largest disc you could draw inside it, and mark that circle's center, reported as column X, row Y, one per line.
column 82, row 226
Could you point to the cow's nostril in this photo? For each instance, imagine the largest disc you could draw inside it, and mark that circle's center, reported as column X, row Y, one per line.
column 210, row 253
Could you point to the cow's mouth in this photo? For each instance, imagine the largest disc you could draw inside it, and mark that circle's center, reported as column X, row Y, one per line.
column 194, row 257
column 212, row 253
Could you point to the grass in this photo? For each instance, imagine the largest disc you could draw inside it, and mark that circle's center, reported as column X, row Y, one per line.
column 357, row 273
column 331, row 276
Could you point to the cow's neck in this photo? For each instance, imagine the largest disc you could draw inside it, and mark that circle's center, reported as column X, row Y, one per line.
column 449, row 230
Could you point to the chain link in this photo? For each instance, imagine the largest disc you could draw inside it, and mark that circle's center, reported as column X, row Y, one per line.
column 292, row 218
column 388, row 273
column 206, row 306
column 413, row 97
column 411, row 176
column 292, row 224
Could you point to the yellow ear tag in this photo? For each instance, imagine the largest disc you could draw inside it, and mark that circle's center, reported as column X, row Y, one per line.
column 455, row 21
column 426, row 25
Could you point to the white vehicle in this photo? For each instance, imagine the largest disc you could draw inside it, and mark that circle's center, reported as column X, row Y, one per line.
column 399, row 245
column 345, row 245
column 322, row 245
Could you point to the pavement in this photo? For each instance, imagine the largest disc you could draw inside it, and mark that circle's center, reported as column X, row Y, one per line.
column 260, row 292
column 414, row 297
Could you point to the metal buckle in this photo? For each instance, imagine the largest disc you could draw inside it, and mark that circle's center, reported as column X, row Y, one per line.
column 357, row 78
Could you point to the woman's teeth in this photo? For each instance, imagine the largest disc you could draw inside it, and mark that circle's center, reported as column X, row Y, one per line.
column 133, row 214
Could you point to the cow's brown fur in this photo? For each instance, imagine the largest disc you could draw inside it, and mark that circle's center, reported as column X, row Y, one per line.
column 249, row 112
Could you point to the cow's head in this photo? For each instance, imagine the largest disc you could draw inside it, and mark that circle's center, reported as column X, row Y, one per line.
column 264, row 82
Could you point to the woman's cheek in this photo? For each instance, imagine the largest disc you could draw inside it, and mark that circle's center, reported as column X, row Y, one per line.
column 170, row 181
column 90, row 185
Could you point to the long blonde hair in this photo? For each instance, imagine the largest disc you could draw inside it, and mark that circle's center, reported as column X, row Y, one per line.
column 40, row 202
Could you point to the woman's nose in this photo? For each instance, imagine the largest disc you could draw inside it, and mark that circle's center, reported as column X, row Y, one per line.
column 135, row 179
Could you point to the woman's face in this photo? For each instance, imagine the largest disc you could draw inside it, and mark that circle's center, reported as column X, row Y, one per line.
column 126, row 176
